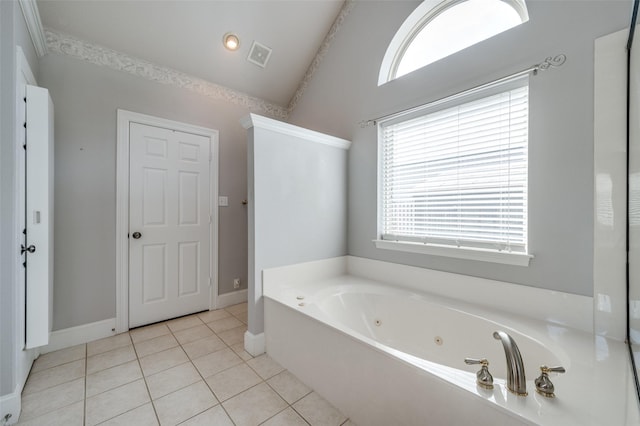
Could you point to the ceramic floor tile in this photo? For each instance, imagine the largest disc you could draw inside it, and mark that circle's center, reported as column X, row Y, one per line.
column 215, row 416
column 71, row 415
column 149, row 332
column 238, row 348
column 63, row 356
column 288, row 386
column 215, row 362
column 349, row 422
column 54, row 398
column 184, row 403
column 108, row 344
column 156, row 344
column 192, row 334
column 160, row 361
column 113, row 377
column 237, row 309
column 224, row 324
column 232, row 381
column 318, row 412
column 203, row 346
column 141, row 416
column 172, row 379
column 233, row 336
column 110, row 359
column 265, row 366
column 213, row 315
column 114, row 402
column 243, row 316
column 54, row 376
column 254, row 406
column 184, row 323
column 287, row 417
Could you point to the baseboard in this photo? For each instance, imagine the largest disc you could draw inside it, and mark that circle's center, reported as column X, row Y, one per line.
column 232, row 298
column 10, row 405
column 72, row 336
column 254, row 343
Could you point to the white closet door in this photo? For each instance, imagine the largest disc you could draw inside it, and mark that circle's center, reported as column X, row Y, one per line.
column 169, row 243
column 39, row 220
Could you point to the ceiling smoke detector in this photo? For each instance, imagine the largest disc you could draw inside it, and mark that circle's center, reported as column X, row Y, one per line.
column 259, row 54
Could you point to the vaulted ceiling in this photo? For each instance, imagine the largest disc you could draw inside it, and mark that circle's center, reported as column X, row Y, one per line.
column 186, row 36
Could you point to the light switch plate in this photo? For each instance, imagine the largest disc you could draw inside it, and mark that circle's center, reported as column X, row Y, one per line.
column 223, row 201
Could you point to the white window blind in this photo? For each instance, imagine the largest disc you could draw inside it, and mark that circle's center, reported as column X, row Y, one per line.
column 458, row 176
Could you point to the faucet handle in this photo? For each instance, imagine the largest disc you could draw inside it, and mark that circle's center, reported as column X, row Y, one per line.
column 472, row 361
column 543, row 384
column 546, row 369
column 483, row 377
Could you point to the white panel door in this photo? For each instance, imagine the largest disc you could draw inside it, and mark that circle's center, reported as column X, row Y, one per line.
column 39, row 216
column 169, row 224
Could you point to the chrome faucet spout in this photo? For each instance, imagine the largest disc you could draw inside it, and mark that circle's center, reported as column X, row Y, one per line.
column 516, row 381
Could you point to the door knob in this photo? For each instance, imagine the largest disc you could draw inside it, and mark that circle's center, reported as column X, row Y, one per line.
column 136, row 235
column 30, row 249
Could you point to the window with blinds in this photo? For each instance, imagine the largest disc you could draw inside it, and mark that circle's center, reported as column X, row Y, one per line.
column 457, row 175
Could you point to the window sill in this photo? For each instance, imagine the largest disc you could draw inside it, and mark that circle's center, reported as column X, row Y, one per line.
column 506, row 258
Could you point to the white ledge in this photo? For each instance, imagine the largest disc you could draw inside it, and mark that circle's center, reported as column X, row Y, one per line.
column 506, row 258
column 254, row 120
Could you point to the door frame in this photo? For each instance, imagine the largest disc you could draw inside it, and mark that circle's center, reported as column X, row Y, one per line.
column 124, row 119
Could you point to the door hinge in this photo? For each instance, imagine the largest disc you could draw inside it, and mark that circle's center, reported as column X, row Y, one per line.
column 210, row 219
column 210, row 282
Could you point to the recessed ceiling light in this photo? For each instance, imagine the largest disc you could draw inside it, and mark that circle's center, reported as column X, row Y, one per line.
column 231, row 41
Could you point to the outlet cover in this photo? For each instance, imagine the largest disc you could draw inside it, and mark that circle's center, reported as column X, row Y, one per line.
column 236, row 283
column 223, row 201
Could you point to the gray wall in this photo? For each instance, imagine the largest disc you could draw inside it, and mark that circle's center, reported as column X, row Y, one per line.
column 298, row 206
column 13, row 32
column 344, row 91
column 86, row 98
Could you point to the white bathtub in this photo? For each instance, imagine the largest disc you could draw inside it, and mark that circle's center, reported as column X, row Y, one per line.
column 393, row 355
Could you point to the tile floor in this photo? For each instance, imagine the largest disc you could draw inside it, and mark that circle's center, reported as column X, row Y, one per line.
column 188, row 371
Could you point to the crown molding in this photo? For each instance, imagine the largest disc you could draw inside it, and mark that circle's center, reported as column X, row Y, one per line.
column 66, row 45
column 322, row 51
column 34, row 25
column 254, row 120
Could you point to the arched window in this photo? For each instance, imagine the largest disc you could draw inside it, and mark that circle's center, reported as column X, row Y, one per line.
column 437, row 29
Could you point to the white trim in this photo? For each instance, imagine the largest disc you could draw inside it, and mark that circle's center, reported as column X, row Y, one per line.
column 11, row 404
column 124, row 118
column 98, row 55
column 22, row 359
column 72, row 336
column 506, row 258
column 231, row 298
column 34, row 25
column 254, row 343
column 254, row 120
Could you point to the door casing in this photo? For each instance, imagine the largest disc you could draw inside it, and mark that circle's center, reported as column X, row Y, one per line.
column 124, row 118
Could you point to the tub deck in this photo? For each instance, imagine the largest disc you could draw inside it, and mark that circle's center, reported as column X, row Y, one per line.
column 376, row 384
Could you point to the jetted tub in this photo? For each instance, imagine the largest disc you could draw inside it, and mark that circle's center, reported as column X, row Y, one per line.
column 392, row 355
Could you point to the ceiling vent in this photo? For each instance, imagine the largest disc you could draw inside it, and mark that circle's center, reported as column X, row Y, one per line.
column 259, row 54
